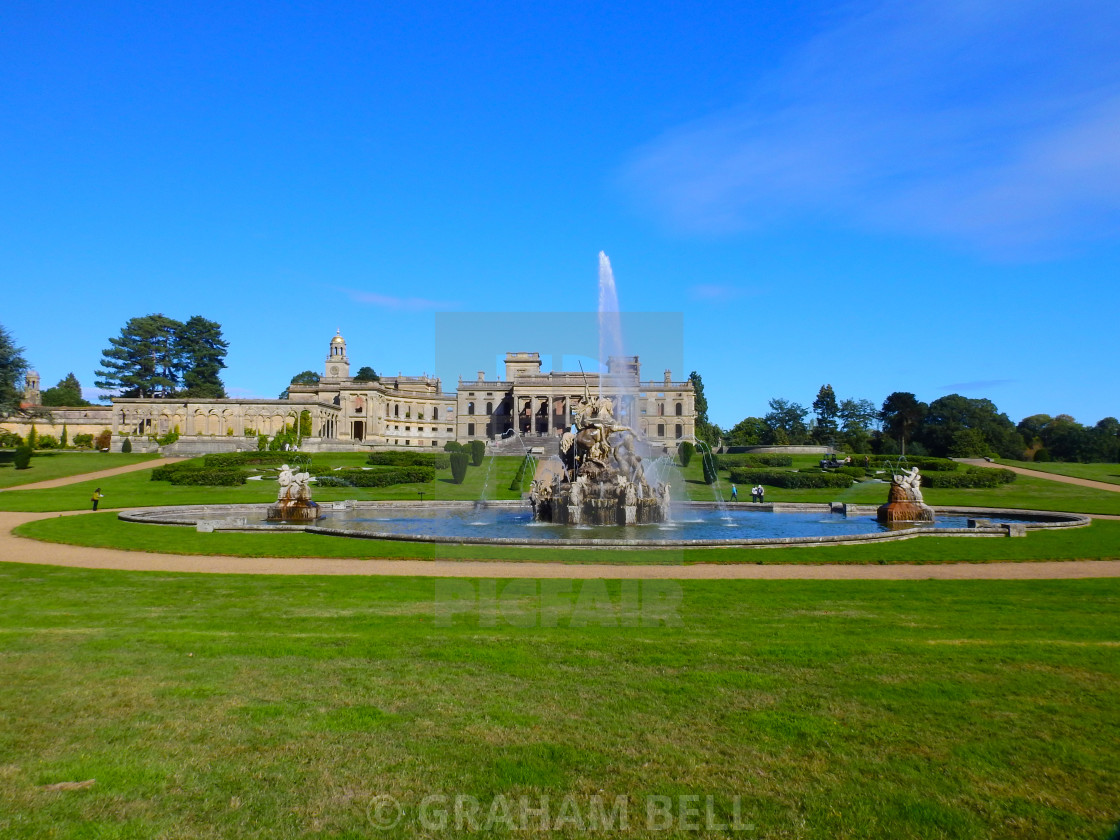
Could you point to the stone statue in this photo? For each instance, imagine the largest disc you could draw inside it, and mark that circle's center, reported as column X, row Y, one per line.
column 293, row 497
column 904, row 501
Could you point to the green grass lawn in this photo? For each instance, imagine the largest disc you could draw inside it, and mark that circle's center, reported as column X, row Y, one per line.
column 1098, row 542
column 491, row 480
column 46, row 465
column 237, row 706
column 1108, row 473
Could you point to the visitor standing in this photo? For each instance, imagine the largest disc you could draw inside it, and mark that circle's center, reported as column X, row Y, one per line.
column 734, row 493
column 97, row 497
column 761, row 494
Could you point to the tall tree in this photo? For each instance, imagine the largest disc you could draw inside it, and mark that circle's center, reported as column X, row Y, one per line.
column 12, row 368
column 902, row 415
column 200, row 355
column 963, row 427
column 705, row 430
column 786, row 421
column 68, row 391
column 825, row 410
column 141, row 361
column 307, row 377
column 366, row 374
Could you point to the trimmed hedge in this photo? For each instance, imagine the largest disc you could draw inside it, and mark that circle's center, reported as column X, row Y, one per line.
column 436, row 460
column 730, row 461
column 378, row 478
column 922, row 462
column 206, row 476
column 22, row 457
column 972, row 478
column 237, row 459
column 524, row 475
column 790, row 480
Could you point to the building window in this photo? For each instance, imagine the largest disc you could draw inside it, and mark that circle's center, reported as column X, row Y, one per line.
column 680, row 410
column 470, row 429
column 397, row 410
column 661, row 430
column 435, row 413
column 489, row 408
column 680, row 431
column 470, row 408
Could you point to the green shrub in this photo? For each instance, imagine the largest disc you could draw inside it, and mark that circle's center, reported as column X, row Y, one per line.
column 31, row 436
column 169, row 438
column 262, row 443
column 127, row 445
column 1043, row 455
column 209, row 478
column 391, row 458
column 727, row 462
column 452, row 446
column 789, row 479
column 922, row 462
column 854, row 472
column 377, row 478
column 685, row 452
column 524, row 475
column 83, row 441
column 459, row 463
column 9, row 440
column 238, row 459
column 972, row 478
column 46, row 442
column 104, row 440
column 62, row 437
column 22, row 459
column 478, row 452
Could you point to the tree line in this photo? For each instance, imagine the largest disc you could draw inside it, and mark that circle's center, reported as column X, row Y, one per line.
column 952, row 426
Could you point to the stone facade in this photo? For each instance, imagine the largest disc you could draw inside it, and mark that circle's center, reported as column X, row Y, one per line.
column 406, row 411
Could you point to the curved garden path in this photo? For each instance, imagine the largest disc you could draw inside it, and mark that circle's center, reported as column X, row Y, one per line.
column 91, row 476
column 15, row 549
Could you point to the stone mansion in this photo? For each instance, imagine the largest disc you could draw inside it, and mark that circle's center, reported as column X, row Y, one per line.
column 407, row 411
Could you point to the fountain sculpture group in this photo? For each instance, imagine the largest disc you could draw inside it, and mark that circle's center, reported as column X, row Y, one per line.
column 905, row 503
column 293, row 499
column 602, row 480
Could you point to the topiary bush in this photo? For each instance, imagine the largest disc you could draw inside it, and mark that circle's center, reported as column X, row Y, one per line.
column 22, row 458
column 711, row 468
column 127, row 445
column 459, row 463
column 478, row 452
column 685, row 452
column 790, row 480
column 452, row 446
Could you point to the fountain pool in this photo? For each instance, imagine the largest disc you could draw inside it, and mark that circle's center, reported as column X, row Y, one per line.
column 692, row 524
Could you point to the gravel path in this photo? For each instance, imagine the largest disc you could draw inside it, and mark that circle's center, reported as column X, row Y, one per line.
column 91, row 476
column 19, row 550
column 15, row 549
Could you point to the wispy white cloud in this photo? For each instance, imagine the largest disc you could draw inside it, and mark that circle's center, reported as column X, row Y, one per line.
column 718, row 293
column 995, row 123
column 396, row 302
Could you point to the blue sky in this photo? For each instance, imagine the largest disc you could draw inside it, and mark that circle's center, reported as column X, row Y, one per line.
column 919, row 196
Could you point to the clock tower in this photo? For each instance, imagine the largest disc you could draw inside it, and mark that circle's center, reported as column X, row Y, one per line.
column 338, row 365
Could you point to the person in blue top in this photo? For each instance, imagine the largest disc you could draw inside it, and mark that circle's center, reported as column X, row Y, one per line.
column 734, row 493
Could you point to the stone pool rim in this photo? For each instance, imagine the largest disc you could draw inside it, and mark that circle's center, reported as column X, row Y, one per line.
column 234, row 518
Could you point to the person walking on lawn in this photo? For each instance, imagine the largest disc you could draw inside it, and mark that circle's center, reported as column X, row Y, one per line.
column 97, row 497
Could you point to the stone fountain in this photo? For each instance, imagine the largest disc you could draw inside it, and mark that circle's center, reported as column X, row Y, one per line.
column 904, row 502
column 602, row 481
column 293, row 499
